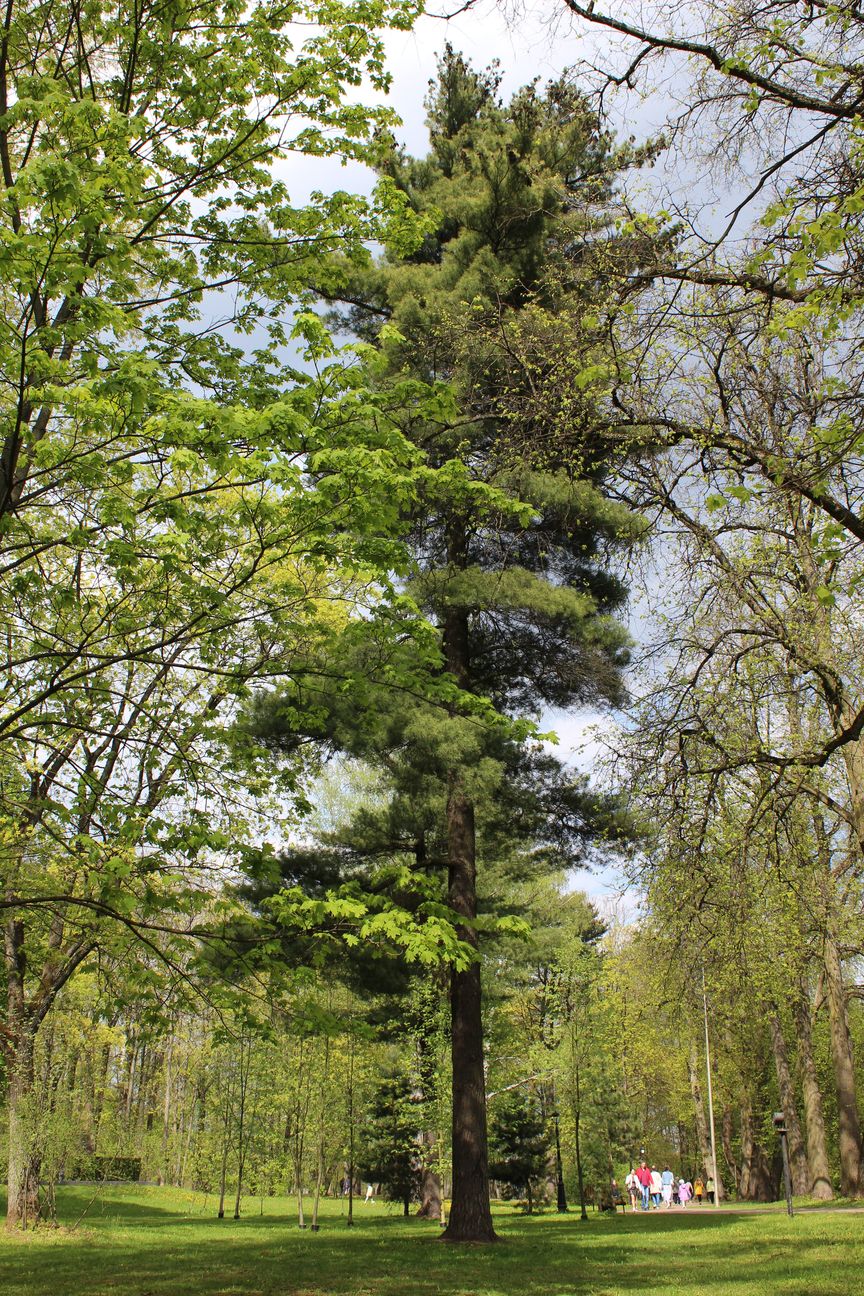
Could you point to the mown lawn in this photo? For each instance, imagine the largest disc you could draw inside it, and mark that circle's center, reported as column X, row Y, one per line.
column 162, row 1242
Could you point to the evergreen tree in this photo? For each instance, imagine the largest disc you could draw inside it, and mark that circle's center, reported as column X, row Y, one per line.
column 390, row 1152
column 519, row 1145
column 513, row 555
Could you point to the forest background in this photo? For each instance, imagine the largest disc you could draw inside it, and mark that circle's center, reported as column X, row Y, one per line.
column 357, row 486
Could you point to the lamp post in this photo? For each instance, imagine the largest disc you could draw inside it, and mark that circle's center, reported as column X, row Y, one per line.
column 779, row 1122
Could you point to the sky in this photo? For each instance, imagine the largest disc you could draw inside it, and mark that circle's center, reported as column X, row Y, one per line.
column 535, row 44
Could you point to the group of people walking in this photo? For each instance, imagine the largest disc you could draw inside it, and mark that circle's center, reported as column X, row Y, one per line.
column 651, row 1188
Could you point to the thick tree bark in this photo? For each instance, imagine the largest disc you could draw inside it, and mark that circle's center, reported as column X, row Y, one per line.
column 470, row 1213
column 756, row 1182
column 699, row 1112
column 797, row 1155
column 814, row 1121
column 726, row 1144
column 849, row 1132
column 430, row 1186
column 22, row 1206
column 23, row 1203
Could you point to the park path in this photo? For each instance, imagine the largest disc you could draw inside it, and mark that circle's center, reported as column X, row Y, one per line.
column 778, row 1208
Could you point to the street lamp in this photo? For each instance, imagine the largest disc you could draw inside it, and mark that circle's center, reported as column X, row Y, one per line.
column 779, row 1123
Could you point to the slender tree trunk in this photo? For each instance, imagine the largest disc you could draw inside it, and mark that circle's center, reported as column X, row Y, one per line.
column 100, row 1091
column 301, row 1218
column 786, row 1088
column 580, row 1177
column 849, row 1136
column 560, row 1191
column 227, row 1110
column 145, row 1100
column 241, row 1140
column 322, row 1150
column 191, row 1130
column 319, row 1178
column 350, row 1130
column 814, row 1121
column 223, row 1177
column 166, row 1111
column 129, row 1092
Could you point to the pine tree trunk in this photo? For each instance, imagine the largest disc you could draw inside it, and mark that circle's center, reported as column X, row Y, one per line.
column 795, row 1142
column 814, row 1121
column 470, row 1213
column 849, row 1137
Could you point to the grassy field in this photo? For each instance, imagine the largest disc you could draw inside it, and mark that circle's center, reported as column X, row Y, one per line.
column 162, row 1242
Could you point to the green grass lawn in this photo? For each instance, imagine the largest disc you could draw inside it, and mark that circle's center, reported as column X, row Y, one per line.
column 139, row 1241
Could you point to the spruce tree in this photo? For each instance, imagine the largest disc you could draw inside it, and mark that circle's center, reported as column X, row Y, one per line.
column 519, row 1142
column 389, row 1151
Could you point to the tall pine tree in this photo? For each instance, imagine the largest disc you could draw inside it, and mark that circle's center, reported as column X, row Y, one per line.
column 522, row 594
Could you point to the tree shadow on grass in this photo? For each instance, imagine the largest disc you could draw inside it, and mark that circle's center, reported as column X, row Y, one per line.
column 131, row 1247
column 388, row 1256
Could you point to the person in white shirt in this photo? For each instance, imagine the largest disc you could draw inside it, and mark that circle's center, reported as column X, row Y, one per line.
column 656, row 1187
column 632, row 1185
